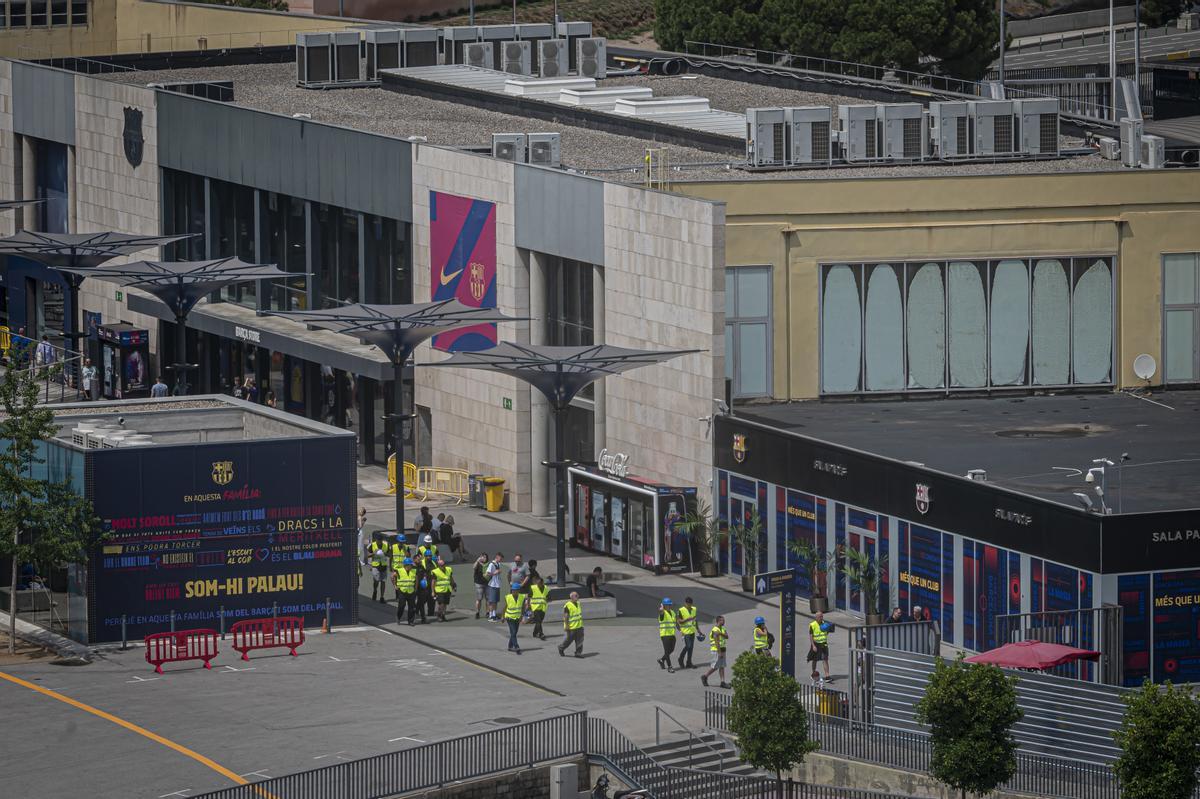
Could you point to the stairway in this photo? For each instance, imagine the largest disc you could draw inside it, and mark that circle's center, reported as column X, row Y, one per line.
column 706, row 753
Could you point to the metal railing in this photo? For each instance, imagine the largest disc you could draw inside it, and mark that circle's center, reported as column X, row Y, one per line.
column 1100, row 629
column 431, row 765
column 924, row 637
column 692, row 738
column 58, row 371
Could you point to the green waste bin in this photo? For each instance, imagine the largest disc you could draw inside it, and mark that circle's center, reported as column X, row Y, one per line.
column 493, row 493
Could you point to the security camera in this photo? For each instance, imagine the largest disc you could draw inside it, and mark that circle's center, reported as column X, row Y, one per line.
column 1084, row 500
column 721, row 405
column 121, row 421
column 1089, row 478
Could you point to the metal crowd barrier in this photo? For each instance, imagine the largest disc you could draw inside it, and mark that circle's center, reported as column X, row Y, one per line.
column 423, row 482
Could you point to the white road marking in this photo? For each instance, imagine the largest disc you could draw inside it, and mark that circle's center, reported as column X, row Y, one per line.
column 143, row 679
column 182, row 792
column 333, row 659
column 261, row 774
column 405, row 738
column 232, row 668
column 341, row 755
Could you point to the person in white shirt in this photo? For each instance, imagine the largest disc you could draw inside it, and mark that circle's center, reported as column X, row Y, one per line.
column 87, row 377
column 362, row 541
column 494, row 570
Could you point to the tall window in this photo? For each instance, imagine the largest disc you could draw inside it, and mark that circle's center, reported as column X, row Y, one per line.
column 233, row 233
column 50, row 179
column 387, row 268
column 1181, row 318
column 964, row 325
column 183, row 195
column 748, row 330
column 335, row 253
column 569, row 304
column 285, row 244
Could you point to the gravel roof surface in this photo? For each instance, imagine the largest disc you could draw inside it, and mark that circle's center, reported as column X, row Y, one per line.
column 272, row 87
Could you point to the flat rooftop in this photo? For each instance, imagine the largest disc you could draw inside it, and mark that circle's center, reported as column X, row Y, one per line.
column 1041, row 446
column 192, row 420
column 454, row 122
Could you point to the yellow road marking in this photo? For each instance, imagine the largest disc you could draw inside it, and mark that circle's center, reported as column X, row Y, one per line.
column 180, row 748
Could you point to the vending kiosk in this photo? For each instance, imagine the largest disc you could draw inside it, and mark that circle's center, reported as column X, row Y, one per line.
column 124, row 361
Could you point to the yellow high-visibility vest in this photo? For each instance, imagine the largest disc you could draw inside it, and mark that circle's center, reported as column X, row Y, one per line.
column 399, row 553
column 761, row 640
column 512, row 607
column 537, row 597
column 378, row 550
column 717, row 638
column 406, row 580
column 666, row 624
column 818, row 635
column 574, row 615
column 687, row 620
column 443, row 575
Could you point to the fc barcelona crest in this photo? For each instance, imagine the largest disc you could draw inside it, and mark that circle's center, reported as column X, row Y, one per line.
column 739, row 447
column 222, row 472
column 134, row 140
column 923, row 498
column 478, row 284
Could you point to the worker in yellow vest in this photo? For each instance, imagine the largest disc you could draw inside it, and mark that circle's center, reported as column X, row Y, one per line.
column 377, row 556
column 398, row 551
column 538, row 600
column 514, row 607
column 687, row 628
column 762, row 638
column 406, row 592
column 719, row 638
column 443, row 587
column 572, row 626
column 818, row 649
column 668, row 624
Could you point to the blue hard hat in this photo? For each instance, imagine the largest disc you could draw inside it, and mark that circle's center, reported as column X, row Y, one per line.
column 759, row 620
column 516, row 586
column 424, row 584
column 408, row 561
column 666, row 600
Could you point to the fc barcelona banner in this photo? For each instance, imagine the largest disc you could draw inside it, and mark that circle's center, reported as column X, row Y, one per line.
column 462, row 260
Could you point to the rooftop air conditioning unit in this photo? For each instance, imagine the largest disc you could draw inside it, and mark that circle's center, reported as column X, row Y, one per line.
column 1152, row 152
column 79, row 434
column 138, row 440
column 1109, row 147
column 478, row 54
column 419, row 47
column 509, row 147
column 994, row 134
column 534, row 32
column 95, row 439
column 497, row 34
column 903, row 134
column 1131, row 142
column 516, row 58
column 808, row 131
column 346, row 62
column 766, row 137
column 591, row 57
column 314, row 59
column 383, row 51
column 115, row 437
column 858, row 138
column 552, row 58
column 454, row 42
column 544, row 149
column 950, row 129
column 1038, row 125
column 573, row 32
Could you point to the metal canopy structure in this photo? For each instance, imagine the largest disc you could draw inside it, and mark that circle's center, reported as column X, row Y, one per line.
column 75, row 255
column 8, row 205
column 560, row 373
column 180, row 285
column 397, row 330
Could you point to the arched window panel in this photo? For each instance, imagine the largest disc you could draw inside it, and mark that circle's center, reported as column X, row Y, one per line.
column 1091, row 320
column 1051, row 323
column 841, row 330
column 885, row 329
column 967, row 324
column 1009, row 343
column 926, row 326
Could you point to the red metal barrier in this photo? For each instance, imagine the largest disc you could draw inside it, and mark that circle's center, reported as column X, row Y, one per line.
column 181, row 645
column 283, row 631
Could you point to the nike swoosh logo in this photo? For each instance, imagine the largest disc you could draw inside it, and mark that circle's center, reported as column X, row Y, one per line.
column 447, row 278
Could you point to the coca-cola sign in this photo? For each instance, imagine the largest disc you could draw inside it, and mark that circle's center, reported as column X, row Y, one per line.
column 614, row 463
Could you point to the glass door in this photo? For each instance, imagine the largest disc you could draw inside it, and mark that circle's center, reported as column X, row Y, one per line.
column 582, row 516
column 597, row 531
column 617, row 539
column 637, row 531
column 741, row 512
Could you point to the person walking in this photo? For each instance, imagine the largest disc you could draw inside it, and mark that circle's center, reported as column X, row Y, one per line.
column 443, row 587
column 44, row 354
column 519, row 573
column 493, row 587
column 159, row 389
column 377, row 556
column 398, row 553
column 480, row 578
column 572, row 626
column 514, row 606
column 458, row 550
column 668, row 623
column 719, row 642
column 88, row 377
column 818, row 646
column 406, row 593
column 687, row 628
column 427, row 547
column 538, row 600
column 762, row 638
column 424, row 564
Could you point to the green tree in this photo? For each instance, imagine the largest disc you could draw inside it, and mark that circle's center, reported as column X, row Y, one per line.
column 970, row 710
column 767, row 717
column 969, row 42
column 739, row 23
column 1160, row 743
column 41, row 521
column 1156, row 13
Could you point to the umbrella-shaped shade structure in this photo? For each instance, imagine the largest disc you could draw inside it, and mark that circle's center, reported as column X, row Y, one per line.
column 6, row 205
column 1035, row 655
column 397, row 330
column 180, row 285
column 76, row 254
column 559, row 373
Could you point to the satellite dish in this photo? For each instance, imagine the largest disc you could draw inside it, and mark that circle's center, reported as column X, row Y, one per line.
column 1144, row 366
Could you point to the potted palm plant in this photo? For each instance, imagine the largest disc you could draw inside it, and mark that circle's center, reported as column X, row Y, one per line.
column 867, row 573
column 705, row 534
column 813, row 564
column 749, row 538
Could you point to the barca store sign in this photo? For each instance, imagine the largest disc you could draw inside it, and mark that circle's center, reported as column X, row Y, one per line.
column 243, row 529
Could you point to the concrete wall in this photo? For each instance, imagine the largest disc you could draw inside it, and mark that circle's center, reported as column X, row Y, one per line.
column 794, row 226
column 10, row 156
column 528, row 783
column 819, row 769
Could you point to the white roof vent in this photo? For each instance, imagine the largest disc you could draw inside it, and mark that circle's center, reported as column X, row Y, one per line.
column 661, row 106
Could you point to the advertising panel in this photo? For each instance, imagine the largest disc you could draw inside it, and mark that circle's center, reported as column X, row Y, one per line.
column 1177, row 626
column 1133, row 592
column 462, row 261
column 250, row 528
column 924, row 575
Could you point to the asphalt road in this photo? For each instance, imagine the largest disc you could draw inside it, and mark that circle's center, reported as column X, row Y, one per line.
column 1154, row 48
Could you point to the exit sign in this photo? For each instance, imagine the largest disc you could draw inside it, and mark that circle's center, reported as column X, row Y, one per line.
column 507, row 403
column 120, row 296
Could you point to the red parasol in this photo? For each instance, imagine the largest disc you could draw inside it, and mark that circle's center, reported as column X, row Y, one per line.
column 1036, row 655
